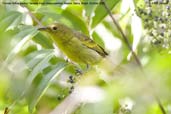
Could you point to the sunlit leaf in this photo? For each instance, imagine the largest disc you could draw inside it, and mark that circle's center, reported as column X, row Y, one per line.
column 35, row 57
column 101, row 12
column 43, row 41
column 98, row 39
column 25, row 35
column 76, row 21
column 42, row 63
column 11, row 20
column 89, row 8
column 44, row 83
column 67, row 17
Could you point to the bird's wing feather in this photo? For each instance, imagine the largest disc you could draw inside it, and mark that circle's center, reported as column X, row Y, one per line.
column 90, row 43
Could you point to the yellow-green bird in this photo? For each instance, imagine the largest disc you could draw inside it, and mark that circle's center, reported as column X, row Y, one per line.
column 75, row 45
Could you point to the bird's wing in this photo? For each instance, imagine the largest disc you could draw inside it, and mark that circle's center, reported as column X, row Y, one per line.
column 90, row 43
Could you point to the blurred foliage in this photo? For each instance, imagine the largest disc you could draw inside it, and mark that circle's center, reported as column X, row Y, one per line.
column 156, row 22
column 36, row 78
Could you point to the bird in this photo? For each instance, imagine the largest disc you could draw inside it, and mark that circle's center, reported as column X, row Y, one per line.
column 78, row 47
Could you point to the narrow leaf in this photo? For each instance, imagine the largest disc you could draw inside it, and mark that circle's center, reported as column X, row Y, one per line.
column 34, row 58
column 42, row 87
column 101, row 12
column 39, row 67
column 25, row 35
column 11, row 19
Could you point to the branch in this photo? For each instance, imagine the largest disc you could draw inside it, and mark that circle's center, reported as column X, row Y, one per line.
column 160, row 105
column 32, row 16
column 122, row 33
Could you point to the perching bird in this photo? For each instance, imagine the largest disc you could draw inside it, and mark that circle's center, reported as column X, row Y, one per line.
column 75, row 45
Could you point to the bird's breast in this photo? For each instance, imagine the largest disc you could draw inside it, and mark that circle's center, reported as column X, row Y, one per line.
column 75, row 50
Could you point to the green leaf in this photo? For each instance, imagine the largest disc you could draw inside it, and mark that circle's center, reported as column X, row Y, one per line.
column 25, row 35
column 89, row 8
column 42, row 63
column 101, row 12
column 50, row 11
column 77, row 22
column 43, row 85
column 112, row 28
column 11, row 20
column 67, row 17
column 43, row 41
column 98, row 39
column 34, row 58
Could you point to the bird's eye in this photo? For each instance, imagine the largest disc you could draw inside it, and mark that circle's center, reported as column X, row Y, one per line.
column 54, row 28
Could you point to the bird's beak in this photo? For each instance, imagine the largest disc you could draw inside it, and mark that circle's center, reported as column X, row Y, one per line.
column 42, row 28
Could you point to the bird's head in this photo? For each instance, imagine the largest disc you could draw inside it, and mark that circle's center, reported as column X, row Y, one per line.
column 55, row 28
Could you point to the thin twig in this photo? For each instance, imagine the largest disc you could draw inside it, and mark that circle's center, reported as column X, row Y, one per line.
column 32, row 16
column 160, row 105
column 133, row 53
column 122, row 33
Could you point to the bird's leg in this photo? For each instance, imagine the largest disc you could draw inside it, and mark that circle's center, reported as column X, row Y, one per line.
column 78, row 71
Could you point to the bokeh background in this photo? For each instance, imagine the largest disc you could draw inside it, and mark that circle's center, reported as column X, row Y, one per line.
column 36, row 78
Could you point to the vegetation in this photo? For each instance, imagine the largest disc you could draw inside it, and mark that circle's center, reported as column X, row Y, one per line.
column 36, row 77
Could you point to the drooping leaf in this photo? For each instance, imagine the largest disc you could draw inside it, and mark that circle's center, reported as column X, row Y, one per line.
column 44, row 83
column 42, row 63
column 65, row 16
column 77, row 22
column 98, row 39
column 43, row 41
column 25, row 35
column 101, row 12
column 34, row 58
column 11, row 20
column 89, row 8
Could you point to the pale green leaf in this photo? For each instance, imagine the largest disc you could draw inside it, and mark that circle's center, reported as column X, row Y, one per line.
column 25, row 35
column 101, row 12
column 43, row 85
